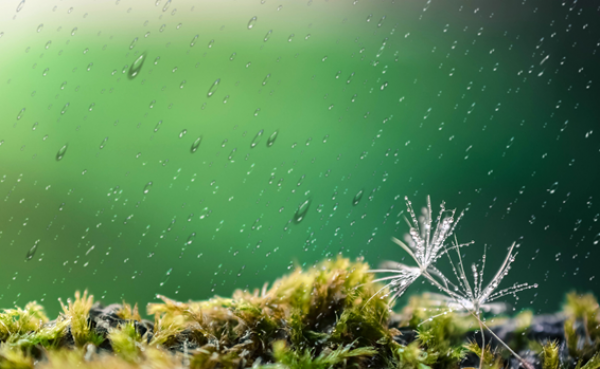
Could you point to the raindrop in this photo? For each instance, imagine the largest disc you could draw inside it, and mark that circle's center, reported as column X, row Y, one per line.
column 167, row 4
column 20, row 6
column 232, row 154
column 196, row 144
column 301, row 212
column 268, row 35
column 350, row 78
column 168, row 274
column 272, row 138
column 73, row 31
column 182, row 133
column 213, row 87
column 40, row 27
column 64, row 109
column 20, row 115
column 194, row 41
column 147, row 187
column 136, row 66
column 32, row 251
column 252, row 22
column 190, row 238
column 290, row 37
column 61, row 153
column 157, row 126
column 257, row 139
column 48, row 45
column 553, row 188
column 132, row 45
column 358, row 197
column 264, row 82
column 103, row 143
column 45, row 72
column 205, row 213
column 211, row 43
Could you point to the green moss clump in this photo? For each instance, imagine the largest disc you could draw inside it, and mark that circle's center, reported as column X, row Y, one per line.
column 321, row 318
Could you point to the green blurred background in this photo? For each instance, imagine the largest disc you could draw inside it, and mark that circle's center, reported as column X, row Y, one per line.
column 490, row 106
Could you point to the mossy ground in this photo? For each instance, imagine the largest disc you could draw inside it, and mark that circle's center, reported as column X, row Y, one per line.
column 316, row 319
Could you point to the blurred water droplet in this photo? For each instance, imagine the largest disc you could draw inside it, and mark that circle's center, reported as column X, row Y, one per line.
column 257, row 139
column 158, row 126
column 350, row 78
column 166, row 7
column 232, row 154
column 182, row 133
column 190, row 238
column 20, row 6
column 290, row 37
column 211, row 43
column 358, row 197
column 147, row 187
column 196, row 144
column 135, row 68
column 272, row 138
column 73, row 31
column 45, row 72
column 232, row 56
column 89, row 67
column 553, row 188
column 48, row 44
column 133, row 43
column 301, row 212
column 213, row 87
column 194, row 41
column 264, row 82
column 20, row 114
column 32, row 250
column 40, row 28
column 168, row 274
column 268, row 35
column 252, row 22
column 205, row 213
column 61, row 153
column 64, row 109
column 103, row 143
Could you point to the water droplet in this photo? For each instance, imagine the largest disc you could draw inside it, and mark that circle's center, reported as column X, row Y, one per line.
column 20, row 6
column 89, row 67
column 194, row 41
column 232, row 154
column 157, row 126
column 268, row 35
column 264, row 82
column 103, row 143
column 61, row 153
column 232, row 56
column 196, row 144
column 20, row 115
column 272, row 138
column 168, row 274
column 73, row 31
column 252, row 22
column 301, row 212
column 257, row 139
column 350, row 78
column 45, row 72
column 63, row 85
column 48, row 44
column 211, row 43
column 136, row 66
column 132, row 45
column 64, row 109
column 32, row 251
column 167, row 4
column 205, row 213
column 182, row 133
column 147, row 187
column 40, row 27
column 290, row 37
column 358, row 197
column 213, row 87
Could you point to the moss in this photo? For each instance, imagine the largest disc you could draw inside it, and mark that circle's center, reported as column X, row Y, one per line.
column 321, row 318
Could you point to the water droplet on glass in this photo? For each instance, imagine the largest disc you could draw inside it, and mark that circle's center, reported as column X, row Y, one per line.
column 182, row 133
column 32, row 251
column 73, row 31
column 103, row 143
column 147, row 187
column 157, row 126
column 211, row 43
column 20, row 115
column 301, row 212
column 268, row 35
column 20, row 6
column 48, row 44
column 194, row 41
column 232, row 154
column 358, row 197
column 64, row 109
column 136, row 66
column 264, row 82
column 61, row 153
column 213, row 87
column 40, row 27
column 205, row 213
column 272, row 138
column 257, row 139
column 252, row 22
column 132, row 45
column 196, row 144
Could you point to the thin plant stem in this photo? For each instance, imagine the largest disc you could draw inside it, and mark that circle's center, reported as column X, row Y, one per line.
column 482, row 342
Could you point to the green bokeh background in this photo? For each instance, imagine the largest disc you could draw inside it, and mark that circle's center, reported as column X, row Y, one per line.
column 489, row 106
